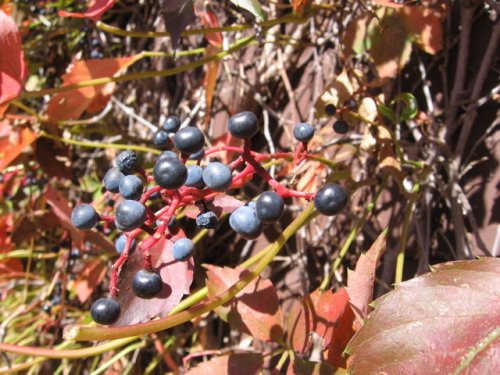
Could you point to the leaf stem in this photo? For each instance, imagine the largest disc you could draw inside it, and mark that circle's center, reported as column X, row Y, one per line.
column 400, row 260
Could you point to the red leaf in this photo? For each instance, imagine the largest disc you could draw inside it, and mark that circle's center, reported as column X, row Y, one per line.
column 95, row 10
column 327, row 314
column 88, row 278
column 209, row 19
column 446, row 321
column 224, row 203
column 177, row 277
column 6, row 265
column 12, row 66
column 239, row 363
column 360, row 282
column 192, row 211
column 255, row 310
column 13, row 142
column 72, row 104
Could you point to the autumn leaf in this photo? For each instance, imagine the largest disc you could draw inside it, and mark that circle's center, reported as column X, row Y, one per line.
column 13, row 70
column 94, row 11
column 303, row 367
column 212, row 72
column 91, row 275
column 329, row 315
column 224, row 204
column 72, row 104
column 255, row 310
column 6, row 227
column 13, row 142
column 239, row 363
column 177, row 277
column 178, row 15
column 210, row 20
column 252, row 6
column 299, row 6
column 447, row 320
column 360, row 282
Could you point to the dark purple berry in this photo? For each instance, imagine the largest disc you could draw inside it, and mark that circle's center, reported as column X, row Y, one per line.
column 170, row 173
column 330, row 199
column 84, row 216
column 161, row 139
column 303, row 132
column 105, row 311
column 330, row 109
column 194, row 176
column 269, row 207
column 112, row 179
column 171, row 124
column 146, row 284
column 243, row 125
column 127, row 161
column 206, row 220
column 130, row 215
column 341, row 126
column 350, row 104
column 131, row 187
column 189, row 140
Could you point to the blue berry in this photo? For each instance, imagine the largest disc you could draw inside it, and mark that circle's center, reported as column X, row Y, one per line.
column 105, row 311
column 171, row 124
column 130, row 215
column 197, row 155
column 330, row 109
column 350, row 104
column 160, row 139
column 341, row 126
column 194, row 176
column 120, row 244
column 182, row 249
column 245, row 222
column 269, row 206
column 112, row 179
column 217, row 176
column 146, row 284
column 84, row 216
column 303, row 132
column 243, row 125
column 189, row 140
column 170, row 173
column 127, row 161
column 131, row 187
column 330, row 199
column 206, row 220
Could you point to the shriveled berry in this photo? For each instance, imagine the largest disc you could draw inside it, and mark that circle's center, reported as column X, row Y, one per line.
column 146, row 284
column 182, row 249
column 245, row 222
column 350, row 104
column 243, row 125
column 189, row 140
column 112, row 179
column 341, row 126
column 330, row 109
column 127, row 161
column 217, row 176
column 120, row 244
column 269, row 206
column 105, row 311
column 330, row 199
column 170, row 173
column 130, row 215
column 206, row 220
column 171, row 124
column 303, row 132
column 131, row 187
column 84, row 216
column 160, row 139
column 194, row 176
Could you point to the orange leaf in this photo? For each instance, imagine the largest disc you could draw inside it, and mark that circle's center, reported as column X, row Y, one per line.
column 6, row 226
column 95, row 10
column 360, row 282
column 88, row 278
column 425, row 24
column 299, row 6
column 13, row 142
column 71, row 104
column 209, row 19
column 12, row 66
column 211, row 78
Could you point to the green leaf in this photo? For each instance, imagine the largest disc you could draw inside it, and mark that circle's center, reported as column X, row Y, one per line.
column 411, row 105
column 387, row 112
column 252, row 6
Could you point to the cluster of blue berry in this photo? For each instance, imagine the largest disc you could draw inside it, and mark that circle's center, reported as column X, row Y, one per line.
column 178, row 184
